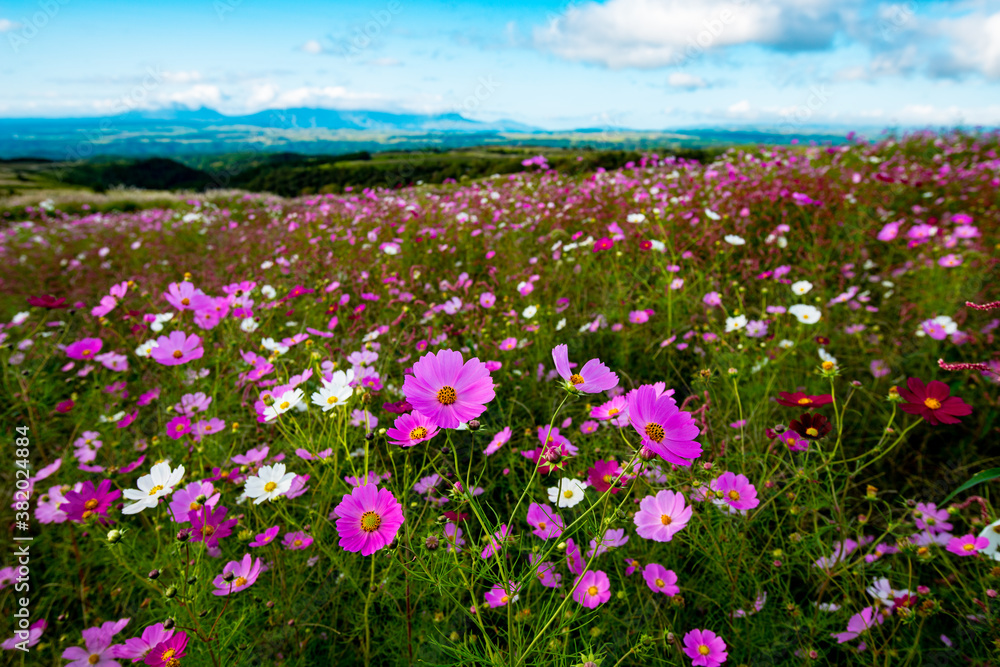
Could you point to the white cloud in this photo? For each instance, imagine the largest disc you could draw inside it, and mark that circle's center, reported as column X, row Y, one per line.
column 741, row 109
column 7, row 25
column 337, row 97
column 975, row 44
column 201, row 95
column 181, row 77
column 686, row 81
column 313, row 47
column 658, row 33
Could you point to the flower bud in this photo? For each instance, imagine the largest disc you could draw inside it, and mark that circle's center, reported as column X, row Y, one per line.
column 114, row 536
column 228, row 576
column 474, row 425
column 154, row 575
column 168, row 624
column 183, row 535
column 171, row 592
column 431, row 543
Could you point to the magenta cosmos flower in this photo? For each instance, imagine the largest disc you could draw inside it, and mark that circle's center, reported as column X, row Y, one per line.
column 177, row 348
column 410, row 429
column 967, row 545
column 265, row 538
column 592, row 589
column 661, row 516
column 447, row 389
column 664, row 428
column 545, row 521
column 933, row 402
column 244, row 573
column 660, row 579
column 705, row 648
column 169, row 652
column 84, row 349
column 736, row 490
column 138, row 648
column 593, row 378
column 500, row 596
column 369, row 518
column 90, row 500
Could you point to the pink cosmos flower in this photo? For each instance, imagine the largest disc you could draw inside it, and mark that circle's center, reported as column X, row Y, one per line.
column 500, row 595
column 34, row 632
column 712, row 299
column 664, row 428
column 615, row 410
column 169, row 652
column 495, row 542
column 613, row 537
column 447, row 389
column 184, row 501
column 593, row 378
column 660, row 579
column 177, row 348
column 98, row 651
column 244, row 572
column 705, row 648
column 859, row 623
column 84, row 349
column 592, row 589
column 736, row 490
column 661, row 516
column 498, row 441
column 297, row 540
column 930, row 518
column 410, row 429
column 794, row 441
column 603, row 475
column 486, row 299
column 967, row 545
column 265, row 538
column 545, row 521
column 508, row 344
column 208, row 525
column 369, row 518
column 184, row 296
column 178, row 427
column 453, row 537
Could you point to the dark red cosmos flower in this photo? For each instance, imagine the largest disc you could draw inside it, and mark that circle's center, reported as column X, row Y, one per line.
column 811, row 427
column 822, row 340
column 47, row 301
column 799, row 400
column 398, row 408
column 933, row 402
column 65, row 406
column 456, row 517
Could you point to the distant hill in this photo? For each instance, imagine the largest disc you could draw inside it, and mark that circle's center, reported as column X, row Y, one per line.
column 178, row 131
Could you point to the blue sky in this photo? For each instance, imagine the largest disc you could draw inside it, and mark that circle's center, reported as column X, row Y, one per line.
column 646, row 64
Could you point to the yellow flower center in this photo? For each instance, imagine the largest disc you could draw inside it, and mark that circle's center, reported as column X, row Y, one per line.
column 504, row 599
column 331, row 400
column 270, row 486
column 812, row 432
column 153, row 491
column 208, row 530
column 185, row 301
column 576, row 379
column 418, row 433
column 194, row 507
column 703, row 649
column 446, row 395
column 94, row 659
column 607, row 479
column 734, row 495
column 239, row 581
column 805, row 401
column 659, row 583
column 284, row 405
column 568, row 493
column 635, row 563
column 969, row 547
column 541, row 525
column 297, row 543
column 86, row 353
column 613, row 411
column 592, row 590
column 87, row 514
column 654, row 432
column 178, row 354
column 932, row 403
column 370, row 521
column 665, row 520
column 91, row 504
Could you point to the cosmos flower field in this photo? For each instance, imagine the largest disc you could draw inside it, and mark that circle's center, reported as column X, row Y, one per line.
column 738, row 413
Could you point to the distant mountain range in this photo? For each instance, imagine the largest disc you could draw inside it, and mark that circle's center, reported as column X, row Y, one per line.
column 179, row 131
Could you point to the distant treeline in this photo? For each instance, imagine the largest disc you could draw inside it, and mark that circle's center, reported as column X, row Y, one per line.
column 291, row 174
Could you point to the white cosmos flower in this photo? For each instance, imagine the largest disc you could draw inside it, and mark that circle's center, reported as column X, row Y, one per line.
column 283, row 404
column 529, row 312
column 269, row 483
column 145, row 349
column 992, row 533
column 733, row 239
column 658, row 246
column 712, row 215
column 560, row 324
column 805, row 314
column 636, row 218
column 268, row 291
column 826, row 356
column 568, row 493
column 20, row 317
column 249, row 325
column 802, row 287
column 160, row 482
column 335, row 392
column 734, row 323
column 160, row 320
column 785, row 344
column 273, row 346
